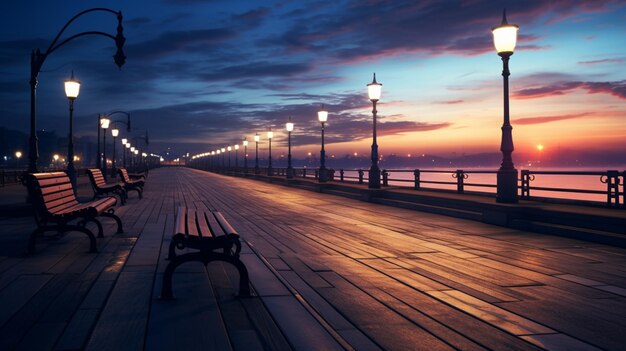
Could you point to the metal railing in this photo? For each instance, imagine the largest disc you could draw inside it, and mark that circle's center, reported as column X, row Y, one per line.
column 614, row 180
column 469, row 181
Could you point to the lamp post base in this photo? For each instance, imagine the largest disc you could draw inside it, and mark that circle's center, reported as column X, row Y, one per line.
column 507, row 186
column 322, row 176
column 374, row 179
column 290, row 173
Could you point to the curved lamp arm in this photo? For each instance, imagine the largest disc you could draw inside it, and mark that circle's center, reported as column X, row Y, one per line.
column 127, row 123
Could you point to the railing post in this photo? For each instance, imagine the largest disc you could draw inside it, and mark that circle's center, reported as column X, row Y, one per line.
column 525, row 188
column 317, row 173
column 360, row 176
column 623, row 189
column 385, row 178
column 416, row 174
column 459, row 175
column 341, row 175
column 612, row 188
column 304, row 173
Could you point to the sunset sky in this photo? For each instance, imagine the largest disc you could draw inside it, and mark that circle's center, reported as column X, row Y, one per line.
column 202, row 74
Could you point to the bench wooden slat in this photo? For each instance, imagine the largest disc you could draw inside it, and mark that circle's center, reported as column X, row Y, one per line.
column 215, row 226
column 192, row 228
column 226, row 227
column 61, row 204
column 181, row 215
column 56, row 188
column 58, row 195
column 203, row 226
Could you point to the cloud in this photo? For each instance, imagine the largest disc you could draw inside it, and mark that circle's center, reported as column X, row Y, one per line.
column 617, row 89
column 448, row 102
column 200, row 40
column 596, row 62
column 548, row 119
column 256, row 69
column 373, row 29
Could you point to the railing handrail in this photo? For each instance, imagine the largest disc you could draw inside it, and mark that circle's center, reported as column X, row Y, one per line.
column 614, row 180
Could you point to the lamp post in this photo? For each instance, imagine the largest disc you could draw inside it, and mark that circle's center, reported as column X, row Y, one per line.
column 374, row 91
column 114, row 132
column 137, row 159
column 504, row 39
column 223, row 158
column 322, row 116
column 104, row 124
column 245, row 155
column 289, row 126
column 132, row 158
column 229, row 148
column 127, row 148
column 72, row 88
column 270, row 135
column 18, row 155
column 257, row 138
column 236, row 157
column 37, row 60
column 124, row 141
column 55, row 157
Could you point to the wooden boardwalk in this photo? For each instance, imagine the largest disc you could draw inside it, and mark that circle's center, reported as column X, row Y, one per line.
column 327, row 273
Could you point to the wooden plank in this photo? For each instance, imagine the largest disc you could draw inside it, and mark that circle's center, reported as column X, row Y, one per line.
column 122, row 324
column 191, row 322
column 375, row 319
column 264, row 281
column 302, row 330
column 18, row 293
column 559, row 342
column 496, row 316
column 249, row 324
column 75, row 335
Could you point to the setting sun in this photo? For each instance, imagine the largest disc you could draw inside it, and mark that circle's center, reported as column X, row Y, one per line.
column 540, row 147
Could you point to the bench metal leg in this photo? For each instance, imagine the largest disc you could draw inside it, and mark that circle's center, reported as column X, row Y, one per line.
column 137, row 190
column 97, row 223
column 62, row 229
column 206, row 258
column 117, row 219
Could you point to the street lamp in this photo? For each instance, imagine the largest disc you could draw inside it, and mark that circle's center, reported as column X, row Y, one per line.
column 374, row 90
column 72, row 88
column 115, row 132
column 124, row 141
column 223, row 158
column 257, row 138
column 55, row 157
column 289, row 127
column 270, row 135
column 236, row 157
column 133, row 161
column 38, row 58
column 104, row 124
column 504, row 39
column 229, row 148
column 130, row 157
column 18, row 155
column 322, row 116
column 245, row 155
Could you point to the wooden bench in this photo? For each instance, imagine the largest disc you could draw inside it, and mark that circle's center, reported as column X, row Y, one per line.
column 207, row 232
column 56, row 206
column 130, row 184
column 101, row 188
